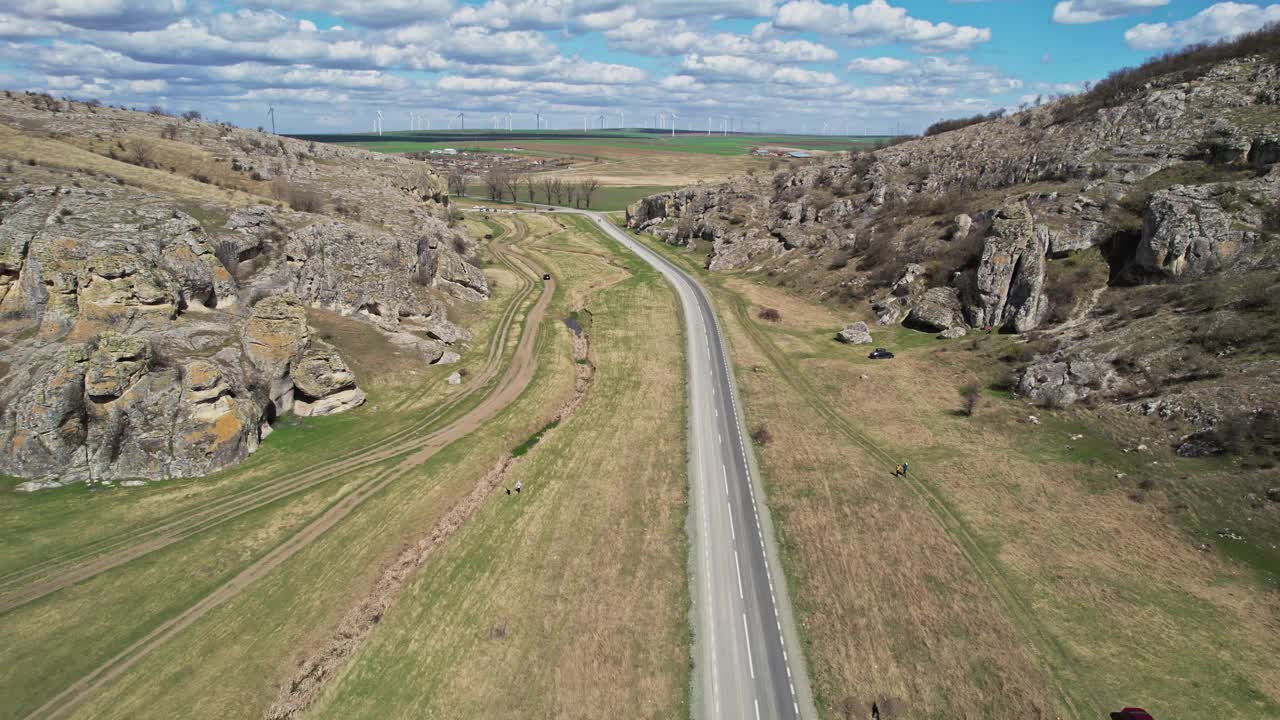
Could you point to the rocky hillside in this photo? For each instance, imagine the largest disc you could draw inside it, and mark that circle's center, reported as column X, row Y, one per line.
column 155, row 276
column 1130, row 234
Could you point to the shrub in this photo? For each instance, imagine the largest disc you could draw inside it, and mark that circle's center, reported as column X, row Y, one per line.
column 1249, row 432
column 141, row 154
column 304, row 200
column 761, row 435
column 948, row 125
column 840, row 260
column 280, row 187
column 970, row 397
column 1067, row 280
column 821, row 199
column 170, row 131
column 192, row 115
column 1185, row 65
column 157, row 110
column 200, row 177
column 770, row 315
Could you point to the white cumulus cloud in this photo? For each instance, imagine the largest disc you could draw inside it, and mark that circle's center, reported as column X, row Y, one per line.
column 1217, row 22
column 876, row 22
column 1079, row 12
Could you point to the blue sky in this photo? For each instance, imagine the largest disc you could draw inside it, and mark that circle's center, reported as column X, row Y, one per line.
column 329, row 65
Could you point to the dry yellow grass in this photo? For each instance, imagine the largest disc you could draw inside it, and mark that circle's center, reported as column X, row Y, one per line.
column 568, row 599
column 1004, row 578
column 23, row 146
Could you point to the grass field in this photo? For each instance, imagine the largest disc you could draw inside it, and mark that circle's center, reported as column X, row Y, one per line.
column 231, row 661
column 683, row 141
column 1017, row 571
column 606, row 198
column 568, row 600
column 61, row 636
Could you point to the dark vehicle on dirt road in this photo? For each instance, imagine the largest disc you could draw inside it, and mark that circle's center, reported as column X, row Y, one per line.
column 880, row 354
column 546, row 276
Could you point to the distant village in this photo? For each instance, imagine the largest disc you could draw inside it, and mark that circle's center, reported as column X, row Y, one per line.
column 475, row 163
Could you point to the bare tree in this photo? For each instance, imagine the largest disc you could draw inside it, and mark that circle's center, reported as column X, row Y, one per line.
column 587, row 187
column 142, row 153
column 495, row 182
column 530, row 185
column 511, row 184
column 280, row 187
column 457, row 181
column 558, row 188
column 571, row 192
column 546, row 183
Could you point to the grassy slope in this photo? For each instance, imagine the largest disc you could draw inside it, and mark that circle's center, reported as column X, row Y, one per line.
column 570, row 598
column 1031, row 579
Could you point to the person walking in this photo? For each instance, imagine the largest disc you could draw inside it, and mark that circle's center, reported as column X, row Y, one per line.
column 519, row 486
column 904, row 468
column 875, row 711
column 897, row 470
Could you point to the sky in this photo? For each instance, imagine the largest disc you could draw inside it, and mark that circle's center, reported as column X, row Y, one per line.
column 785, row 66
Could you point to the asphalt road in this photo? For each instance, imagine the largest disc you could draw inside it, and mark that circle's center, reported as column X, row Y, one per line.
column 747, row 654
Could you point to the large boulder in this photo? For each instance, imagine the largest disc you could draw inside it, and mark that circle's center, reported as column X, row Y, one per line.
column 1062, row 381
column 1007, row 289
column 936, row 310
column 324, row 385
column 893, row 305
column 855, row 334
column 276, row 333
column 1185, row 233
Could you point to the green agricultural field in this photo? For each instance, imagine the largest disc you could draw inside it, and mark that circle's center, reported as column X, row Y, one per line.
column 686, row 142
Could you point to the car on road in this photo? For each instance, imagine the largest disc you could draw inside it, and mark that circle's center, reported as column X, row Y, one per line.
column 546, row 276
column 880, row 354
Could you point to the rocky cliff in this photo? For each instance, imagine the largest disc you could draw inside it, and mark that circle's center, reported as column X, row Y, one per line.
column 1050, row 222
column 153, row 327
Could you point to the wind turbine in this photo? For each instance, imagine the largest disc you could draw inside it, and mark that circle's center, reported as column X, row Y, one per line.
column 508, row 122
column 462, row 116
column 674, row 117
column 379, row 122
column 271, row 113
column 622, row 119
column 708, row 126
column 601, row 121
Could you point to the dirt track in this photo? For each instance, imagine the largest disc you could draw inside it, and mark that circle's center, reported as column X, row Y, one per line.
column 52, row 574
column 510, row 384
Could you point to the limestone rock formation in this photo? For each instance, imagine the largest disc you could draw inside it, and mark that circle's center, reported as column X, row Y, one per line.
column 1185, row 232
column 938, row 309
column 854, row 334
column 154, row 334
column 1065, row 380
column 1007, row 289
column 323, row 385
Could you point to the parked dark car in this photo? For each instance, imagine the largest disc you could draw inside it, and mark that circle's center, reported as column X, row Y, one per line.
column 546, row 276
column 880, row 354
column 1131, row 713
